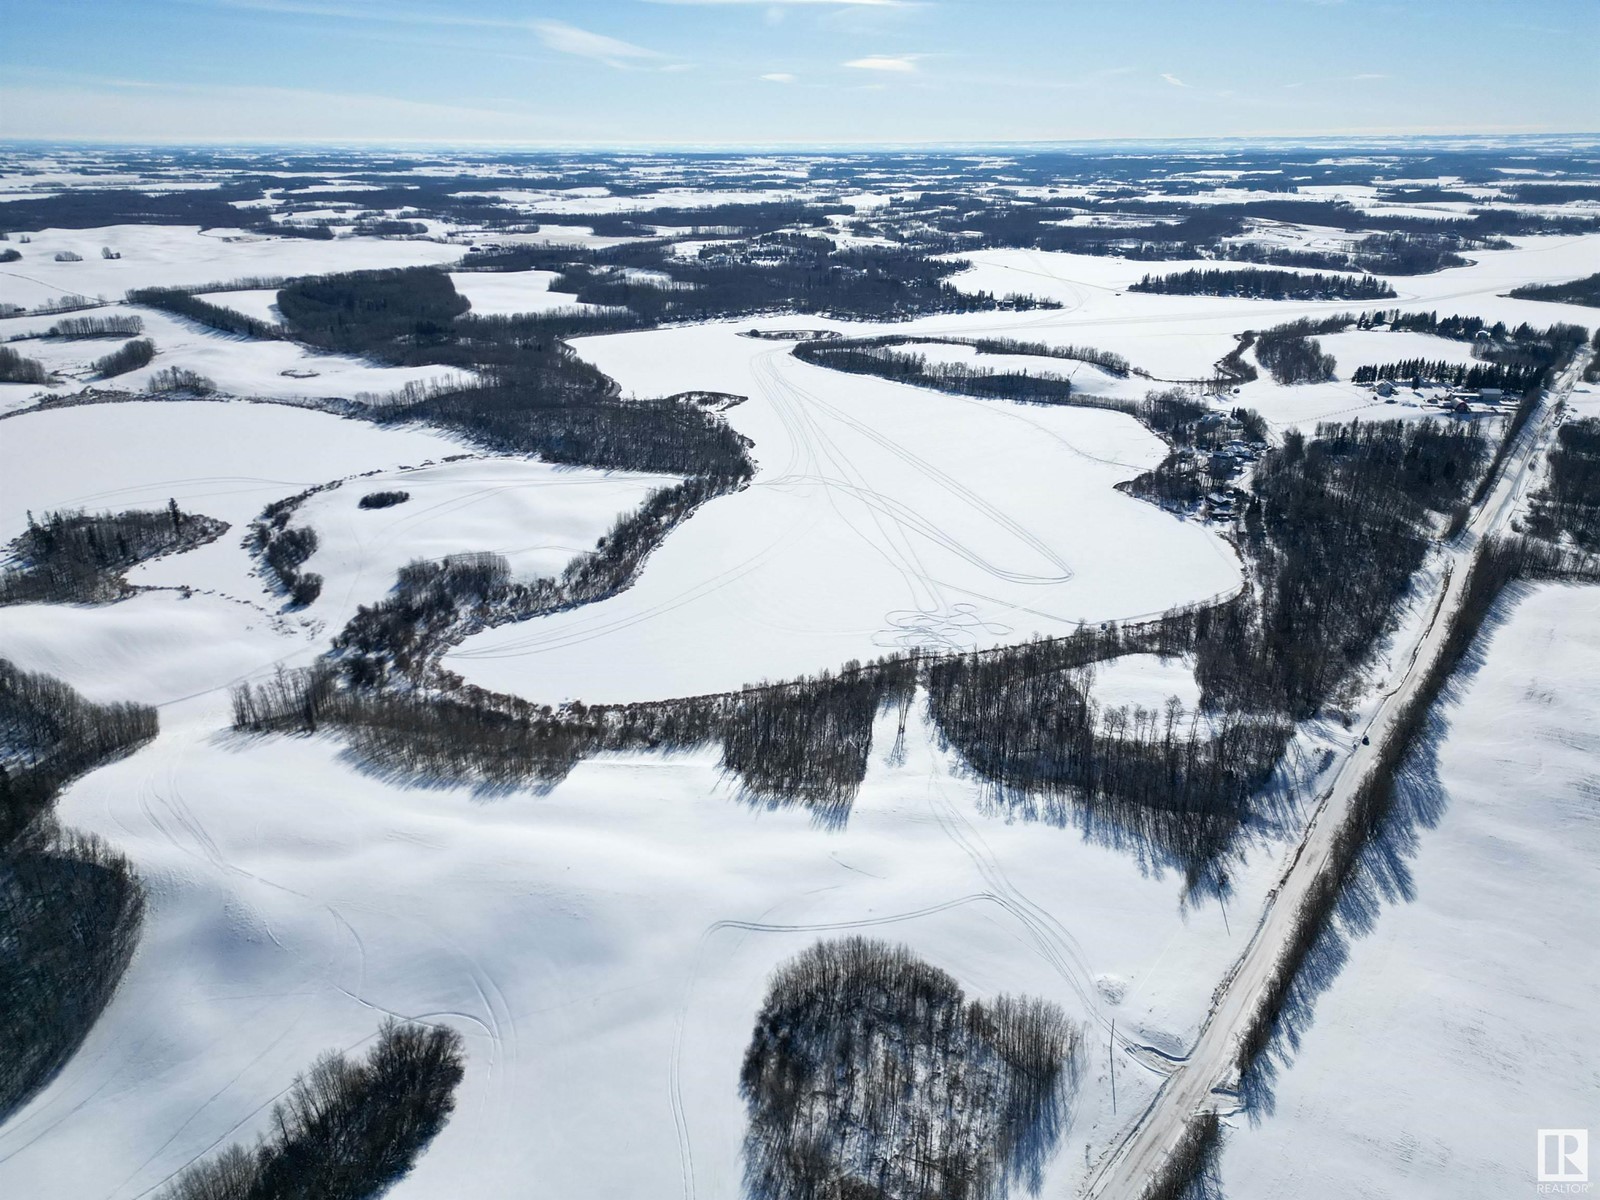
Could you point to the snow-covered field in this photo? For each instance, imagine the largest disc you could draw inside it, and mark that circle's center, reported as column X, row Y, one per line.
column 540, row 517
column 186, row 256
column 1463, row 1022
column 603, row 948
column 603, row 944
column 882, row 516
column 498, row 293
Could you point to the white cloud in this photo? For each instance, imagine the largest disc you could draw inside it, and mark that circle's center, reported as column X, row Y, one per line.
column 569, row 39
column 1173, row 80
column 779, row 77
column 144, row 111
column 885, row 62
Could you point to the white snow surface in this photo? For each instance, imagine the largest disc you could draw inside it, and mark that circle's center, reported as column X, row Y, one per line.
column 238, row 366
column 184, row 256
column 1463, row 1021
column 882, row 516
column 539, row 516
column 222, row 459
column 496, row 293
column 603, row 949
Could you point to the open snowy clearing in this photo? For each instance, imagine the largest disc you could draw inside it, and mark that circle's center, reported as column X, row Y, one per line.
column 223, row 459
column 1475, row 985
column 498, row 293
column 540, row 517
column 881, row 517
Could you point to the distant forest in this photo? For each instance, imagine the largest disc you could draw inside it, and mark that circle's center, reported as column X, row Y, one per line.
column 1256, row 284
column 1585, row 291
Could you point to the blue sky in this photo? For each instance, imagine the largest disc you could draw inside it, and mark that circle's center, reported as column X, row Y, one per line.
column 757, row 72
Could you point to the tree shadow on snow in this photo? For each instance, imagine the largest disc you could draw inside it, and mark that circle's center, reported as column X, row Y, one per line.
column 1382, row 876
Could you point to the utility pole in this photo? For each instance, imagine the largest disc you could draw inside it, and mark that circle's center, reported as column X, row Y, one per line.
column 1111, row 1059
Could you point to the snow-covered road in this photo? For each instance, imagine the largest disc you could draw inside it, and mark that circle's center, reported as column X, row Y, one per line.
column 1207, row 1077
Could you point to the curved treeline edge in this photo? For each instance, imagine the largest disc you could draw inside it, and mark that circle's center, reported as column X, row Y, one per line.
column 183, row 303
column 70, row 906
column 534, row 395
column 1356, row 502
column 348, row 1129
column 876, row 356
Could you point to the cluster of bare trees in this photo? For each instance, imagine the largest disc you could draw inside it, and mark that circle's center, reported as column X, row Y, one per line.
column 116, row 325
column 14, row 368
column 78, row 558
column 130, row 356
column 875, row 356
column 1189, row 1170
column 348, row 1129
column 870, row 1073
column 284, row 549
column 1292, row 355
column 1569, row 502
column 802, row 742
column 181, row 379
column 436, row 602
column 1023, row 719
column 70, row 907
column 387, row 499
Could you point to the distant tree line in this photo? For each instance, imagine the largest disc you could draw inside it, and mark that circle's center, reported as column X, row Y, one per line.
column 1584, row 291
column 70, row 907
column 1257, row 284
column 876, row 356
column 870, row 1073
column 1378, row 254
column 117, row 325
column 1106, row 360
column 536, row 395
column 348, row 1129
column 72, row 557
